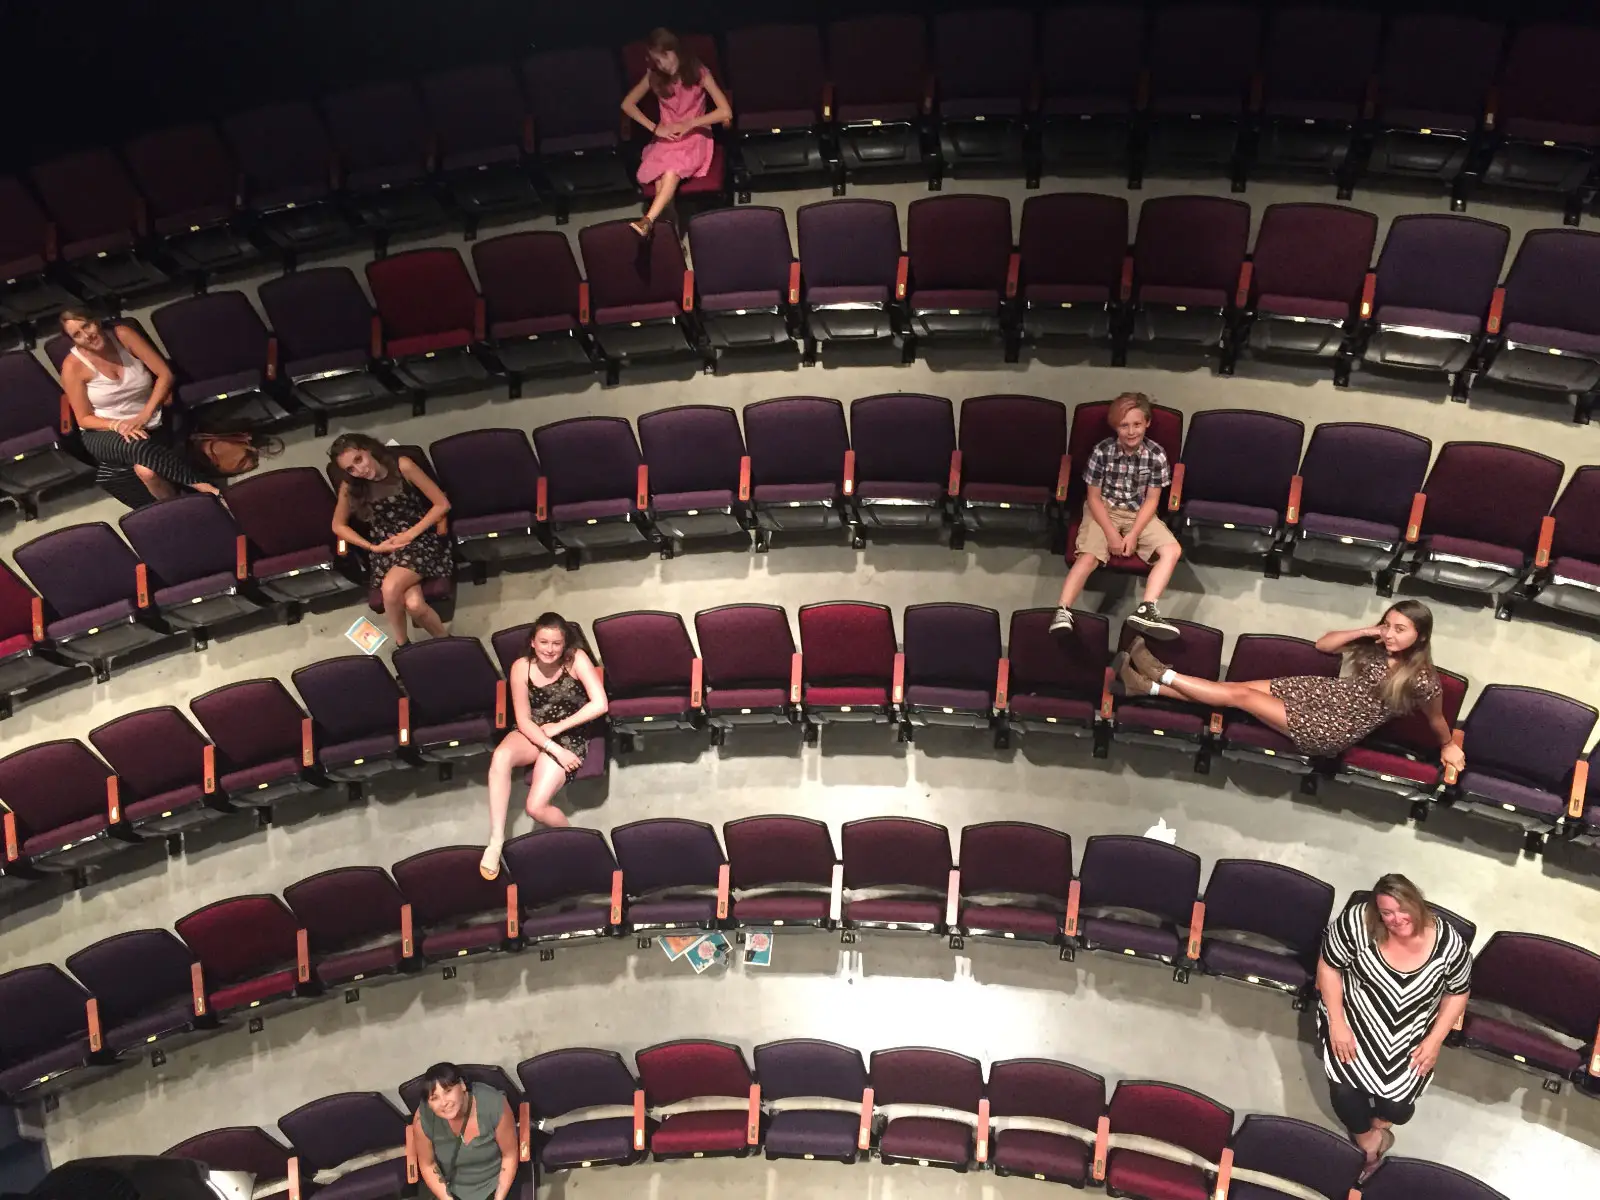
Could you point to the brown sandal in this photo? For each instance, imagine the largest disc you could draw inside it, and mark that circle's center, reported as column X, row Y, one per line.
column 1383, row 1148
column 644, row 226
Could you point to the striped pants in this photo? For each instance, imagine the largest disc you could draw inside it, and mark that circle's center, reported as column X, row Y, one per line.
column 115, row 460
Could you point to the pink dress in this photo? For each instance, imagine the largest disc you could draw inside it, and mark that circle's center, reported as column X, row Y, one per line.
column 690, row 155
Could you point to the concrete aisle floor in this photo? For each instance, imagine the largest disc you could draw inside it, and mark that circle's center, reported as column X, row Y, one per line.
column 1248, row 1049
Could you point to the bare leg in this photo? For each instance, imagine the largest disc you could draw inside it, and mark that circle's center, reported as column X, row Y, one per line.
column 1254, row 697
column 666, row 189
column 157, row 486
column 513, row 753
column 397, row 581
column 1161, row 569
column 422, row 614
column 1082, row 567
column 548, row 779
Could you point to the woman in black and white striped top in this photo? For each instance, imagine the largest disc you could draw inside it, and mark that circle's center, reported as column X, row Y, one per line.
column 1394, row 978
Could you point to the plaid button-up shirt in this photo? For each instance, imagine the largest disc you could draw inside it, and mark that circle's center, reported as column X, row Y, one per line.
column 1123, row 479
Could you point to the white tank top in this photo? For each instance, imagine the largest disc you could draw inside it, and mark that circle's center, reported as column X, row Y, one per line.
column 120, row 399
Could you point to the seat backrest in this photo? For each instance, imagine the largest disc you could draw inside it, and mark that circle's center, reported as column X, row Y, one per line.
column 1121, row 871
column 1092, row 51
column 573, row 92
column 349, row 697
column 474, row 108
column 776, row 68
column 1017, row 440
column 846, row 639
column 561, row 1081
column 379, row 125
column 667, row 852
column 743, row 249
column 765, row 851
column 53, row 785
column 1577, row 515
column 318, row 311
column 1190, row 241
column 795, row 439
column 23, row 225
column 1445, row 263
column 531, row 273
column 1203, row 52
column 589, row 458
column 1370, row 472
column 951, row 645
column 80, row 568
column 1415, row 1179
column 1277, row 656
column 44, row 1009
column 1270, row 900
column 1039, row 1087
column 1552, row 981
column 624, row 269
column 1073, row 238
column 88, row 194
column 335, row 1129
column 895, row 852
column 848, row 243
column 1528, row 735
column 1313, row 251
column 1015, row 856
column 1307, row 1154
column 153, row 751
column 212, row 335
column 446, row 679
column 1439, row 63
column 878, row 60
column 645, row 653
column 134, row 974
column 902, row 437
column 284, row 510
column 1171, row 1114
column 282, row 146
column 240, row 938
column 744, row 645
column 919, row 1075
column 985, row 53
column 1555, row 280
column 182, row 169
column 1042, row 662
column 251, row 723
column 1549, row 75
column 486, row 472
column 692, row 448
column 810, row 1067
column 247, row 1148
column 29, row 399
column 183, row 538
column 559, row 864
column 444, row 886
column 346, row 907
column 1320, row 56
column 1505, row 514
column 1237, row 456
column 674, row 1071
column 959, row 242
column 423, row 292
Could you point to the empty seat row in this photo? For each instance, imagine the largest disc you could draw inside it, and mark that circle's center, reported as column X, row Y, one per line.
column 1254, row 922
column 808, row 1099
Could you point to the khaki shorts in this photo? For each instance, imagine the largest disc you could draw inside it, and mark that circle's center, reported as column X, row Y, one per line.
column 1092, row 539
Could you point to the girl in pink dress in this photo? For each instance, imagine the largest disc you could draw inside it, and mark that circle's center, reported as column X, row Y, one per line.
column 681, row 148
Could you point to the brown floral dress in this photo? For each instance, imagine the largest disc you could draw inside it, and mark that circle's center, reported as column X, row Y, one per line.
column 1328, row 716
column 557, row 701
column 428, row 554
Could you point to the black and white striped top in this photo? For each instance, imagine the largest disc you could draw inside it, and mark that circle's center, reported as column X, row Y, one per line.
column 1389, row 1011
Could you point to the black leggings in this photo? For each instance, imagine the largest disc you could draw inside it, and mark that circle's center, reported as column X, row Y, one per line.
column 1356, row 1108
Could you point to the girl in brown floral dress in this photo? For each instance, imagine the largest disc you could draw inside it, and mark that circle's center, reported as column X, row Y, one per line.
column 1390, row 673
column 401, row 508
column 555, row 692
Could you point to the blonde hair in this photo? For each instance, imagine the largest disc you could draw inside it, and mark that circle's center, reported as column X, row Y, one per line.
column 1120, row 406
column 1404, row 893
column 1398, row 690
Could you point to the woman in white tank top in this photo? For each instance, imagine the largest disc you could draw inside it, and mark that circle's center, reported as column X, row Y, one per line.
column 117, row 383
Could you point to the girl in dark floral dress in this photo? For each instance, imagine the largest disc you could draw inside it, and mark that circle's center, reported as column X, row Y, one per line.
column 401, row 508
column 1390, row 674
column 555, row 692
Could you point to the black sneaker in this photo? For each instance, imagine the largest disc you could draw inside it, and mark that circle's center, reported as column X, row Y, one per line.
column 1148, row 621
column 1062, row 622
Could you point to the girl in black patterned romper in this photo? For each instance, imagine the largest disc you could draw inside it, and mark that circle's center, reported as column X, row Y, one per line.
column 401, row 508
column 555, row 692
column 1393, row 978
column 1390, row 674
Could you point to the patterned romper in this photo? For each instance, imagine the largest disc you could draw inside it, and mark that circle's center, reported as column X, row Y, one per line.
column 428, row 554
column 556, row 702
column 1328, row 716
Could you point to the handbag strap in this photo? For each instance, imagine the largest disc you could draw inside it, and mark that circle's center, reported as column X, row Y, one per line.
column 461, row 1140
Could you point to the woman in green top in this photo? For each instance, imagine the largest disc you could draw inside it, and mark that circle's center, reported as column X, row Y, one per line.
column 467, row 1148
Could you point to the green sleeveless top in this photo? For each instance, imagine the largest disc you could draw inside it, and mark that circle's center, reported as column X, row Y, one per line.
column 470, row 1169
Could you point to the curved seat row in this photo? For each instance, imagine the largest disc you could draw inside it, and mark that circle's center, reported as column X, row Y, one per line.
column 1247, row 485
column 1535, row 999
column 809, row 1099
column 997, row 91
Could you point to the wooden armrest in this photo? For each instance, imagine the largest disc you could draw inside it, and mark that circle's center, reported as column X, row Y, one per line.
column 500, row 704
column 849, row 472
column 524, row 1132
column 1580, row 789
column 1013, row 274
column 981, row 1149
column 1497, row 309
column 1491, row 108
column 1594, row 1057
column 583, row 303
column 1002, row 685
column 615, row 917
column 1547, row 537
column 294, row 1170
column 208, row 760
column 302, row 956
column 902, row 272
column 1102, row 1136
column 1450, row 773
column 897, row 693
column 697, row 683
column 1069, row 920
column 952, row 899
column 953, row 486
column 795, row 679
column 641, row 499
column 638, row 1119
column 1291, row 514
column 141, row 584
column 836, row 893
column 722, row 892
column 1369, row 289
column 1063, row 478
column 1224, row 1174
column 864, row 1130
column 827, row 102
column 1241, row 294
column 752, row 1121
column 688, row 291
column 272, row 358
column 744, row 478
column 1216, row 724
column 1414, row 521
column 68, row 422
column 1197, row 927
column 241, row 557
column 10, row 821
column 403, row 724
column 794, row 282
column 1175, row 495
column 113, row 805
column 91, row 1016
column 541, row 500
column 376, row 349
column 197, row 988
column 408, row 946
column 1105, row 695
column 513, row 912
column 308, row 749
column 36, row 617
column 1125, row 288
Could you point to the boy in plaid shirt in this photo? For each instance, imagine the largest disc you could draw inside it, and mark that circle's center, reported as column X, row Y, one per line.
column 1125, row 475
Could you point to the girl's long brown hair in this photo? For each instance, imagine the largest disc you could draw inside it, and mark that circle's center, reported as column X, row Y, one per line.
column 664, row 41
column 1399, row 691
column 361, row 489
column 572, row 636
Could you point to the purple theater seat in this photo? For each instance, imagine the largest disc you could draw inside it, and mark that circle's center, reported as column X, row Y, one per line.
column 750, row 664
column 192, row 185
column 36, row 448
column 573, row 96
column 904, row 445
column 1089, row 429
column 817, row 1095
column 434, row 321
column 747, row 277
column 598, row 486
column 456, row 912
column 493, row 481
column 249, row 962
column 1042, row 1119
column 1070, row 265
column 287, row 519
column 291, row 175
column 917, row 1078
column 798, row 447
column 1548, row 117
column 333, row 1131
column 44, row 1040
column 905, row 864
column 246, row 1148
column 1567, row 559
column 225, row 361
column 143, row 987
column 1306, row 276
column 1232, row 489
column 159, row 758
column 569, row 887
column 353, row 919
column 849, row 664
column 879, row 70
column 951, row 666
column 1168, row 1113
column 1056, row 684
column 102, row 224
column 652, row 674
column 642, row 293
column 674, row 875
column 1263, row 925
column 1014, row 467
column 583, row 1102
column 1137, row 897
column 1202, row 65
column 1414, row 1179
column 1317, row 68
column 536, row 302
column 355, row 708
column 1296, row 1151
column 1433, row 91
column 189, row 545
column 1547, row 334
column 1016, row 881
column 1533, row 997
column 698, row 485
column 63, row 809
column 786, row 866
column 263, row 748
column 1091, row 59
column 777, row 73
column 962, row 273
column 984, row 60
column 329, row 341
column 481, row 130
column 675, row 1074
column 855, row 275
column 1188, row 270
column 457, row 704
column 1271, row 656
column 1173, row 724
column 386, row 157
